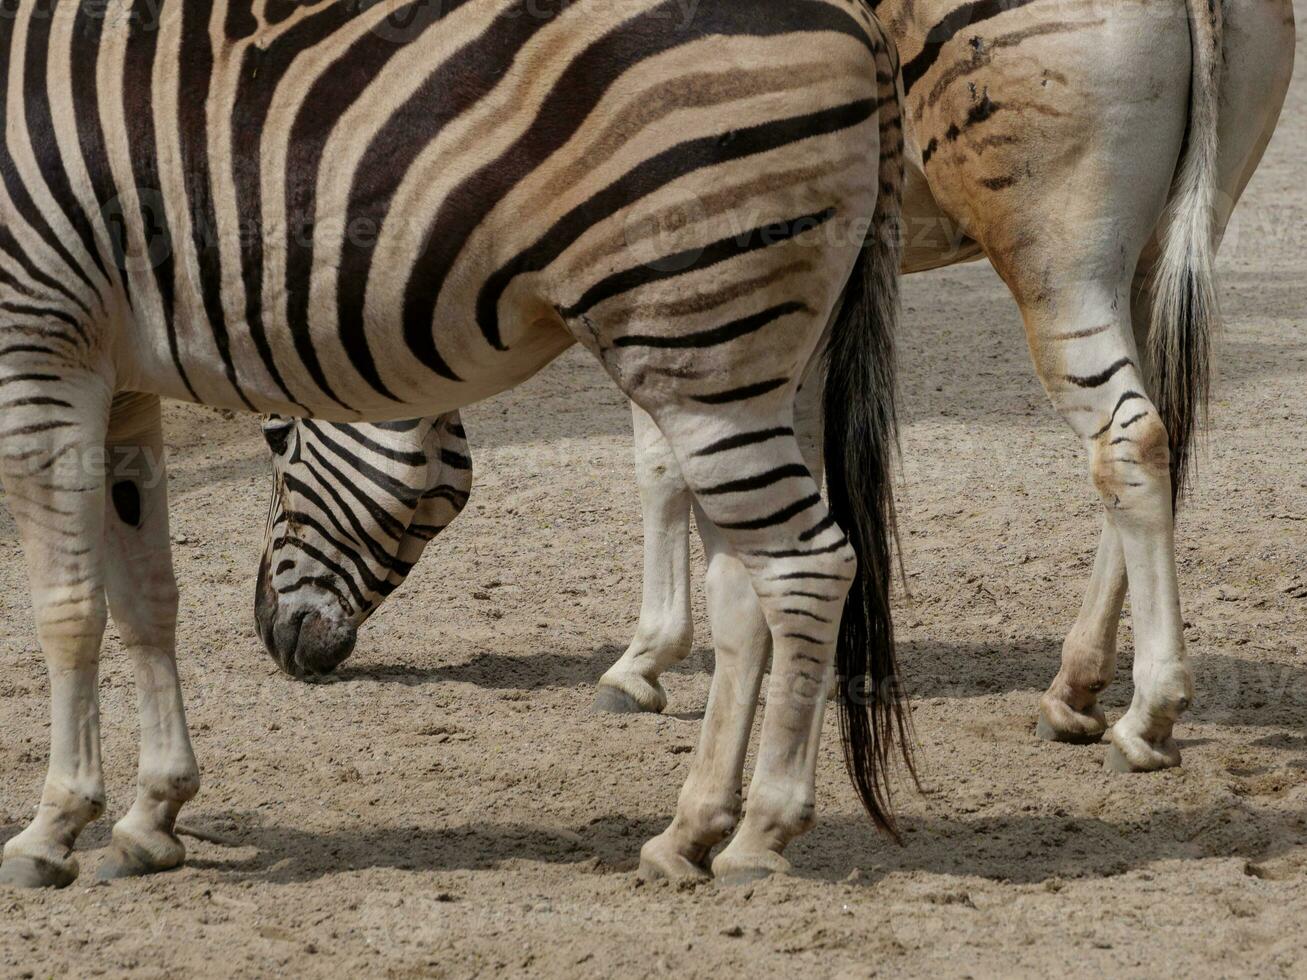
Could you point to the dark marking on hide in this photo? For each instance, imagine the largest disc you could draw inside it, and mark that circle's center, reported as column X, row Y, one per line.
column 127, row 502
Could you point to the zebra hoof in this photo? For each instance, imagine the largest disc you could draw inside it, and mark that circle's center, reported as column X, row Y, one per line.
column 1116, row 761
column 1154, row 759
column 1060, row 722
column 614, row 701
column 733, row 870
column 660, row 860
column 1045, row 731
column 131, row 859
column 29, row 872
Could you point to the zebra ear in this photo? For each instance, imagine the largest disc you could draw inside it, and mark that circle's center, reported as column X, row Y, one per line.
column 276, row 433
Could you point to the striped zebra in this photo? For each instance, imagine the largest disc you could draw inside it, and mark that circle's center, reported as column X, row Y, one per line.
column 352, row 509
column 1028, row 144
column 380, row 211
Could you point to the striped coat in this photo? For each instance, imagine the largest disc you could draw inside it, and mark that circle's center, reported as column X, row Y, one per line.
column 376, row 211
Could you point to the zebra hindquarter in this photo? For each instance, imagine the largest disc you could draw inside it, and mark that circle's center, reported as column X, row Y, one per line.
column 708, row 314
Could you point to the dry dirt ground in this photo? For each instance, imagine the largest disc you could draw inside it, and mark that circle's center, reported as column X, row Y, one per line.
column 448, row 807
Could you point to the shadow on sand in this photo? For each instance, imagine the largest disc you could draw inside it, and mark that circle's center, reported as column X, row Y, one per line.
column 1021, row 848
column 1231, row 690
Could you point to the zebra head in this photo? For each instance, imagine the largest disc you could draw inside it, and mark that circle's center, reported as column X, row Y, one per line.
column 353, row 507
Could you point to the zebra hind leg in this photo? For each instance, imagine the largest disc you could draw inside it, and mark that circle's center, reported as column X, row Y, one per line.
column 712, row 798
column 1091, row 367
column 142, row 592
column 55, row 421
column 752, row 483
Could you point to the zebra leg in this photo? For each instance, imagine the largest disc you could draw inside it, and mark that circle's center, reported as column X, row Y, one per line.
column 710, row 802
column 1069, row 709
column 799, row 566
column 55, row 422
column 1091, row 367
column 666, row 631
column 142, row 592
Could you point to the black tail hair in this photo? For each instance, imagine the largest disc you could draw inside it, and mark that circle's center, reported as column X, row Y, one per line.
column 861, row 442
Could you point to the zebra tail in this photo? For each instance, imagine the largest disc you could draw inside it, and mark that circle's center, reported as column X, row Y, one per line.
column 1185, row 307
column 861, row 442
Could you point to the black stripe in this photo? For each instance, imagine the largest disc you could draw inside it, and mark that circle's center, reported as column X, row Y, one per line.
column 27, row 378
column 770, row 478
column 957, row 20
column 340, row 86
column 777, row 518
column 138, row 111
column 455, row 460
column 1128, row 396
column 317, row 555
column 17, row 190
column 37, row 400
column 802, row 552
column 358, row 535
column 818, row 576
column 460, row 83
column 717, row 335
column 46, row 313
column 398, row 455
column 570, row 102
column 744, row 439
column 404, row 494
column 741, row 394
column 825, row 524
column 195, row 75
column 805, row 614
column 1100, row 379
column 644, row 179
column 332, row 484
column 694, row 260
column 40, row 126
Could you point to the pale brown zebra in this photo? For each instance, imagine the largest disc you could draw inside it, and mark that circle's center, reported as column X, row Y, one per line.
column 1093, row 152
column 378, row 211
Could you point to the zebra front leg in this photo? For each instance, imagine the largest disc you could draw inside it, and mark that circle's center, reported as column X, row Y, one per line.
column 666, row 632
column 142, row 592
column 54, row 429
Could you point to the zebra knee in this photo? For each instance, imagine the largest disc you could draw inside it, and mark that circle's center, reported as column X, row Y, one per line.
column 1131, row 458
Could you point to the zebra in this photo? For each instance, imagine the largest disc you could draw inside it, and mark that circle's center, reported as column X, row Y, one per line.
column 1026, row 145
column 352, row 509
column 371, row 212
column 989, row 177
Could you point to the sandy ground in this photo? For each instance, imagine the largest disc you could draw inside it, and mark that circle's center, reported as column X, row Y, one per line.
column 448, row 807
